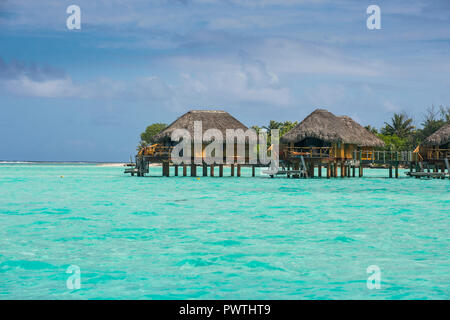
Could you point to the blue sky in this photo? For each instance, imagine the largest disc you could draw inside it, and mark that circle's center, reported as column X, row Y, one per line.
column 87, row 94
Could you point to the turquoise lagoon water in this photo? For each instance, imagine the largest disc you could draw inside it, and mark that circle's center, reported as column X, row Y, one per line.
column 220, row 238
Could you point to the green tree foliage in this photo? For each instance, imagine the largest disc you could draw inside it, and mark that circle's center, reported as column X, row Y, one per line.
column 256, row 128
column 434, row 119
column 371, row 129
column 400, row 133
column 401, row 126
column 287, row 126
column 395, row 143
column 151, row 131
column 284, row 127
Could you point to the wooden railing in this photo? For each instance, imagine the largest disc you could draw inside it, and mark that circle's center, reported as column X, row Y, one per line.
column 310, row 152
column 156, row 151
column 438, row 154
column 384, row 156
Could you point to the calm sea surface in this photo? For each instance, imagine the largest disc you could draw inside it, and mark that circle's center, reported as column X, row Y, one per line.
column 220, row 238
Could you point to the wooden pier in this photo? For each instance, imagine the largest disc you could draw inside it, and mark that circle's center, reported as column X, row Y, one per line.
column 304, row 163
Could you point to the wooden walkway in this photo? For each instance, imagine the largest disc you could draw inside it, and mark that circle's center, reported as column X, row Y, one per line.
column 302, row 162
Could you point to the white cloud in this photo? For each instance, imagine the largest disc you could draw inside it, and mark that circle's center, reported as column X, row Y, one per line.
column 55, row 88
column 290, row 56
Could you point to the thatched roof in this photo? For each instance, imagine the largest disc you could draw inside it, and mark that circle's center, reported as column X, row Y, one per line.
column 360, row 135
column 322, row 124
column 211, row 119
column 439, row 138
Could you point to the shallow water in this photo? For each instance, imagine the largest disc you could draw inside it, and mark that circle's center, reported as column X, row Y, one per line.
column 220, row 238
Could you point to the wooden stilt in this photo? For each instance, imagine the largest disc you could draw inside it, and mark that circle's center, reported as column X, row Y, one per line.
column 335, row 169
column 253, row 171
column 396, row 171
column 211, row 170
column 319, row 170
column 361, row 170
column 238, row 170
column 232, row 170
column 193, row 170
column 296, row 167
column 311, row 170
column 328, row 170
column 166, row 168
column 205, row 170
column 184, row 170
column 390, row 171
column 221, row 170
column 353, row 171
column 176, row 170
column 342, row 170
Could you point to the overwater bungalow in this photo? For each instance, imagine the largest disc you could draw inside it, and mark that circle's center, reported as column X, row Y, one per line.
column 210, row 119
column 437, row 146
column 324, row 138
column 322, row 134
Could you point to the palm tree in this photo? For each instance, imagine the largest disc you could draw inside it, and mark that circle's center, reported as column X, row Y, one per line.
column 273, row 125
column 401, row 126
column 371, row 129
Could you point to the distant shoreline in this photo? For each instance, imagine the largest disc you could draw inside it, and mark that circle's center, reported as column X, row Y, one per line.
column 103, row 164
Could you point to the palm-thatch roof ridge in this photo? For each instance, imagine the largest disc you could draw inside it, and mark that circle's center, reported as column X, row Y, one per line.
column 322, row 124
column 439, row 138
column 211, row 119
column 360, row 135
